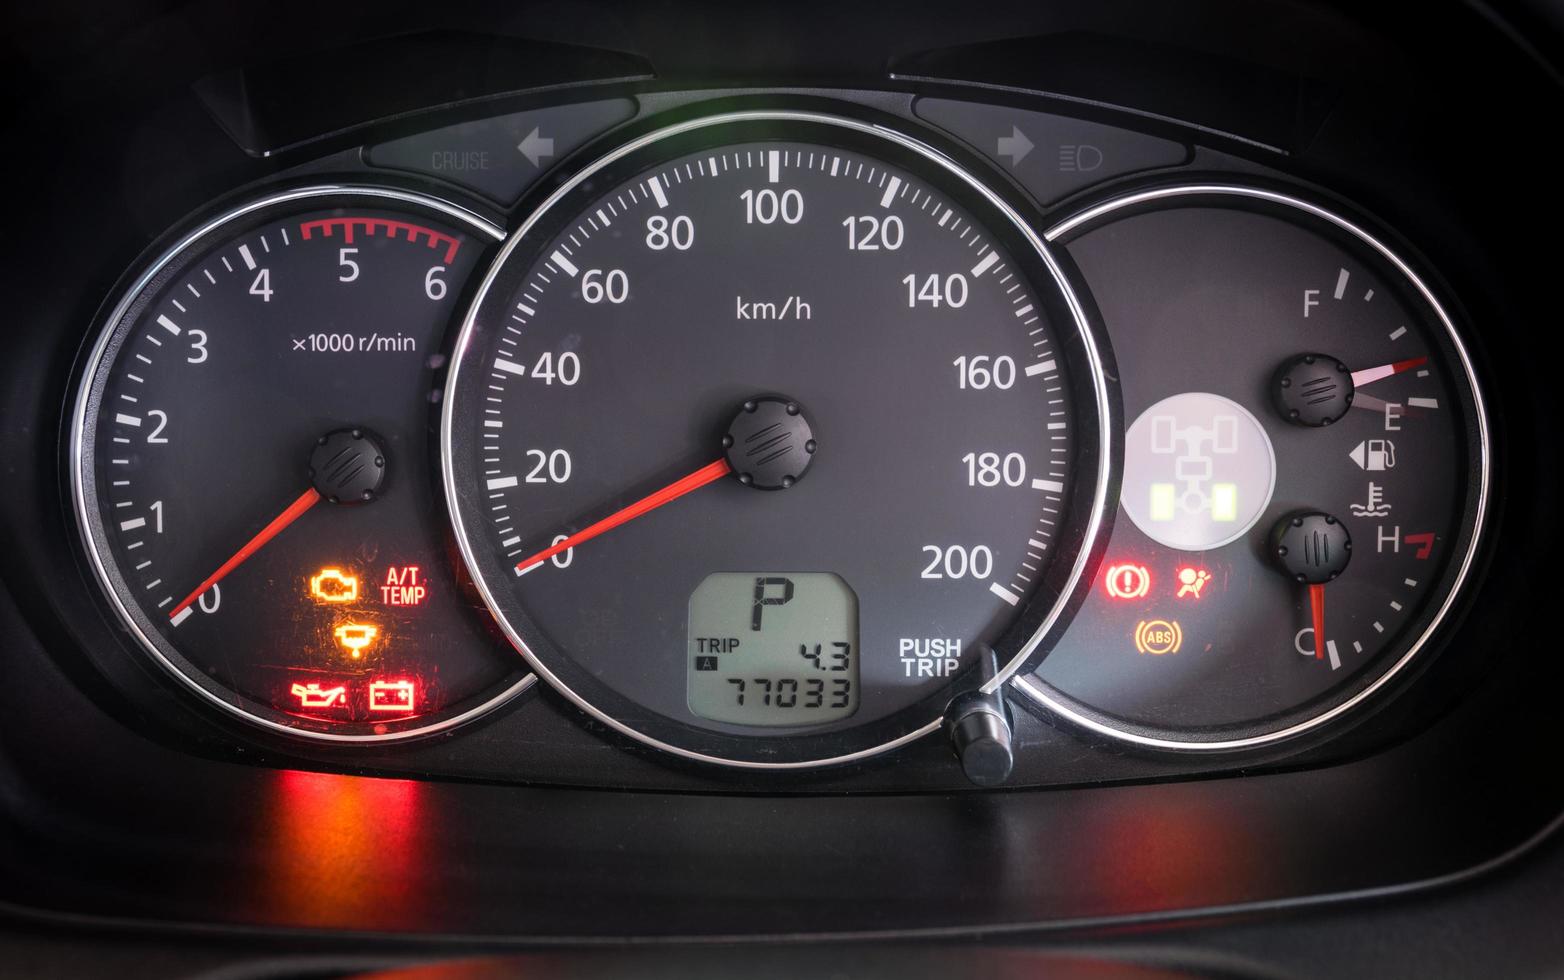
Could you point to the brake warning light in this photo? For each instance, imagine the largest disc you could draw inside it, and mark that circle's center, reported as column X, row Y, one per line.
column 1127, row 581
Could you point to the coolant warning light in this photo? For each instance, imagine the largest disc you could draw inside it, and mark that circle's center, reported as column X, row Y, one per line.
column 392, row 697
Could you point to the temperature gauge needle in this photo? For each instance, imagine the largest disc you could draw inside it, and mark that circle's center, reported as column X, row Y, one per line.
column 1372, row 374
column 1317, row 608
column 307, row 499
column 709, row 473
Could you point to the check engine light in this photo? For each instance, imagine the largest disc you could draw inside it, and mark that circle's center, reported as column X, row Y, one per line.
column 1127, row 581
column 334, row 586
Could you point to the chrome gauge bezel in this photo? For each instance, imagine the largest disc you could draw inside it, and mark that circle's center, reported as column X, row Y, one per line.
column 1474, row 508
column 885, row 734
column 109, row 332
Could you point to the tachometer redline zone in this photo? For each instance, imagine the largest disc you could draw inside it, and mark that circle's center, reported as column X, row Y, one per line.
column 783, row 363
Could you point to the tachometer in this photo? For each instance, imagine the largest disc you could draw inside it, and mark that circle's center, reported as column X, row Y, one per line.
column 767, row 431
column 253, row 469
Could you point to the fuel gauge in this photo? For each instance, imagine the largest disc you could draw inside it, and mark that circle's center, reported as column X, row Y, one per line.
column 1305, row 470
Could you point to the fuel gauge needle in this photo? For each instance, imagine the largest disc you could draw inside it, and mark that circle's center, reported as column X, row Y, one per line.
column 1372, row 374
column 709, row 473
column 307, row 499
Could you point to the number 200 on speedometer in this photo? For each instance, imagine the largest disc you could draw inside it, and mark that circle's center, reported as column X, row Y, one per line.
column 770, row 430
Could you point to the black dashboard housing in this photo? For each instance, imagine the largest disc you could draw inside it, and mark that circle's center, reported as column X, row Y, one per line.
column 126, row 811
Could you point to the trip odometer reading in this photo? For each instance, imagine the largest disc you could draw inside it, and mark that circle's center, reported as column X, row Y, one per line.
column 773, row 648
column 773, row 341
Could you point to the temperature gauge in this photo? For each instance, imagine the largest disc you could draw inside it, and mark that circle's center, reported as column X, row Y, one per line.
column 1305, row 470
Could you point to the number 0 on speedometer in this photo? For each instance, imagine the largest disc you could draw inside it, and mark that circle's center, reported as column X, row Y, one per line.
column 768, row 432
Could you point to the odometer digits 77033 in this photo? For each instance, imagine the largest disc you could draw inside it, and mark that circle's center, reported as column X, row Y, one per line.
column 769, row 431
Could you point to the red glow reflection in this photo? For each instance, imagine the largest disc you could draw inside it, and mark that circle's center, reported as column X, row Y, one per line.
column 344, row 850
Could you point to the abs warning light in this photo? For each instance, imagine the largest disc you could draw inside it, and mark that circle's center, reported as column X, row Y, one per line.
column 404, row 586
column 392, row 696
column 1158, row 636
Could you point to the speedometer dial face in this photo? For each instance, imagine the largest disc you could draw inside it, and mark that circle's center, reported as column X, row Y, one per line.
column 768, row 432
column 1305, row 470
column 255, row 473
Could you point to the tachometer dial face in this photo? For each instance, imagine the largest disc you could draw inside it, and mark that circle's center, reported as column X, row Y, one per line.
column 254, row 469
column 1304, row 479
column 770, row 429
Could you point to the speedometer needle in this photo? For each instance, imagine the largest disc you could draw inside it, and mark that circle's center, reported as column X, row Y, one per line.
column 307, row 499
column 1368, row 375
column 709, row 473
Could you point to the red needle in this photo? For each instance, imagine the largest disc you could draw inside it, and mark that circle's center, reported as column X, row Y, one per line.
column 1317, row 606
column 306, row 500
column 673, row 491
column 1367, row 375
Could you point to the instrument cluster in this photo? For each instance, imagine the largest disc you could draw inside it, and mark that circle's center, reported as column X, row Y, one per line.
column 781, row 432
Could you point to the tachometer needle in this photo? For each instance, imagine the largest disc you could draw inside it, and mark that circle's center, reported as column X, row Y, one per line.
column 307, row 499
column 709, row 473
column 1317, row 607
column 1369, row 375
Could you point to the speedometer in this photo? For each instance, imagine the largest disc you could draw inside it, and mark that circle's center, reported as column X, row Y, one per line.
column 769, row 432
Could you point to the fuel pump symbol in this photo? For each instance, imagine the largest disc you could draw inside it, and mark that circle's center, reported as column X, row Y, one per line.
column 1374, row 455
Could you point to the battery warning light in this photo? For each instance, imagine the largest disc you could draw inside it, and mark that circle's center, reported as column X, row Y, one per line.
column 355, row 638
column 334, row 585
column 392, row 696
column 1127, row 581
column 1191, row 582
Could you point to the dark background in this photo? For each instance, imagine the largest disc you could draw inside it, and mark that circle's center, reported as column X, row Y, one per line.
column 136, row 835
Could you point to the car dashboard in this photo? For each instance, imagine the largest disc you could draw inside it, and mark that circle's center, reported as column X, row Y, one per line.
column 680, row 488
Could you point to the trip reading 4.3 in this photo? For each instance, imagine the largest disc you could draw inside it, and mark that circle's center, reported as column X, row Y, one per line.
column 773, row 648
